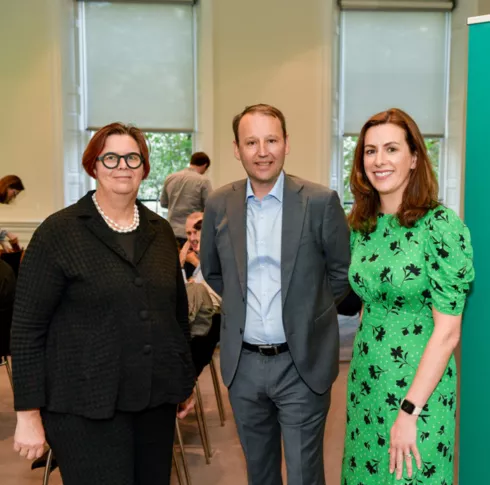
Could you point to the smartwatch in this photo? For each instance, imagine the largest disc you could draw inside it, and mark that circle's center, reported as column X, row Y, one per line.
column 410, row 408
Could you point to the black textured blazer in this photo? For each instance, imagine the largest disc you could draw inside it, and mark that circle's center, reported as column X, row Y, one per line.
column 84, row 310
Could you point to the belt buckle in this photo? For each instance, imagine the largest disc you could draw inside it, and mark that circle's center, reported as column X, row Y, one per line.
column 274, row 348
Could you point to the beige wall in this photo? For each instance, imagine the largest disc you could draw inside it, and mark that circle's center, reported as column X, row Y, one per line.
column 30, row 101
column 483, row 7
column 453, row 195
column 255, row 51
column 279, row 53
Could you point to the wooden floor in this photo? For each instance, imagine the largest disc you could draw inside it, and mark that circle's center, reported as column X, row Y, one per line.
column 227, row 465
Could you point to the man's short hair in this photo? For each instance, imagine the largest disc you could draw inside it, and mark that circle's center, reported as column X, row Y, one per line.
column 265, row 109
column 198, row 225
column 195, row 216
column 200, row 159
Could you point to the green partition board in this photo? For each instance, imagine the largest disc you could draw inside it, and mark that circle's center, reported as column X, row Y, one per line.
column 475, row 360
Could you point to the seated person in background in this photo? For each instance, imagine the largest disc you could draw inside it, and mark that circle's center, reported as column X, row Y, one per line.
column 189, row 260
column 202, row 345
column 10, row 187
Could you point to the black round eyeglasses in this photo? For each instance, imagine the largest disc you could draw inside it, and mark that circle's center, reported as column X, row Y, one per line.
column 111, row 160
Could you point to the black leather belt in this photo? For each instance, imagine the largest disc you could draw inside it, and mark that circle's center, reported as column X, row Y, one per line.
column 267, row 350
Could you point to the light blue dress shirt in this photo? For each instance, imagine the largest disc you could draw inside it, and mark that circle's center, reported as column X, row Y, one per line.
column 263, row 323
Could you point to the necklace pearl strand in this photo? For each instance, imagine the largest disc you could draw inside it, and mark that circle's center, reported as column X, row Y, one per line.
column 113, row 224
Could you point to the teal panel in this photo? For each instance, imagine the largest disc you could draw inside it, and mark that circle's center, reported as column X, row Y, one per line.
column 475, row 360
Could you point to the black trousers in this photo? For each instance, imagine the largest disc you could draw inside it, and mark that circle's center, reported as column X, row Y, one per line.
column 202, row 348
column 128, row 449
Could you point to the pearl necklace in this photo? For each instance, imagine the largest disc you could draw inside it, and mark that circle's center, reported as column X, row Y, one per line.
column 113, row 224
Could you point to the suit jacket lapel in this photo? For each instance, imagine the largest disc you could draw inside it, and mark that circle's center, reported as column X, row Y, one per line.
column 293, row 214
column 237, row 223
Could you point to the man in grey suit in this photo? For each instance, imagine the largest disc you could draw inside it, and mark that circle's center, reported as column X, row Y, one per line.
column 277, row 249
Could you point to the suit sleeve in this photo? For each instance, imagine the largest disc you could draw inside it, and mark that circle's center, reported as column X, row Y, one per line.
column 336, row 247
column 210, row 262
column 39, row 289
column 206, row 190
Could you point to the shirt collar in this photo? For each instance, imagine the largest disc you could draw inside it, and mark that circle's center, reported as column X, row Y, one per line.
column 277, row 191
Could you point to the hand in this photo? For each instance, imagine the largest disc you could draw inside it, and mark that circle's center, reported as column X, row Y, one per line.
column 13, row 238
column 192, row 258
column 183, row 253
column 29, row 438
column 184, row 408
column 403, row 444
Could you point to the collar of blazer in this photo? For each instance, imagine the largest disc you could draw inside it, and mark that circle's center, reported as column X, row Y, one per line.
column 87, row 212
column 294, row 207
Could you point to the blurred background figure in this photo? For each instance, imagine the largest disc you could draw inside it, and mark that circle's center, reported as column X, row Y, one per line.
column 10, row 187
column 186, row 192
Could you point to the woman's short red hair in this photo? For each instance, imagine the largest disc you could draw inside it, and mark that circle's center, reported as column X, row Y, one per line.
column 419, row 196
column 97, row 142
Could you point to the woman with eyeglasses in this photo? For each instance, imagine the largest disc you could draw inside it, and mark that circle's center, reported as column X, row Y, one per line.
column 10, row 187
column 100, row 337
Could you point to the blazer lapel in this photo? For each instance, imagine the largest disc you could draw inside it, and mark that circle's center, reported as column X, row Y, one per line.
column 237, row 223
column 293, row 210
column 94, row 222
column 100, row 229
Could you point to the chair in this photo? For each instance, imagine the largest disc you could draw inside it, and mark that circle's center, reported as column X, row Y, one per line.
column 180, row 443
column 217, row 391
column 47, row 468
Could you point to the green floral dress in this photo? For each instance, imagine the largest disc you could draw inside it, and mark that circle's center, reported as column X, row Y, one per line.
column 400, row 274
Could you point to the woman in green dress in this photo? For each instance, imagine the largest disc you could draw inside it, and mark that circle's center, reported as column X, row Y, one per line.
column 412, row 267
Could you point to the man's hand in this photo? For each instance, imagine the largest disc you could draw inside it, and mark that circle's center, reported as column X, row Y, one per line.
column 185, row 407
column 183, row 253
column 29, row 438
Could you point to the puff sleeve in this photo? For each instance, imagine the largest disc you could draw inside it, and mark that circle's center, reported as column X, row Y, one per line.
column 449, row 260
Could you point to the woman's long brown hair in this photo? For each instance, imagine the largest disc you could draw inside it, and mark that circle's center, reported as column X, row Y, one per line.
column 419, row 196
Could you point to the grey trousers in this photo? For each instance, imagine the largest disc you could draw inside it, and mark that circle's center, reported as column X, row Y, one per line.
column 270, row 400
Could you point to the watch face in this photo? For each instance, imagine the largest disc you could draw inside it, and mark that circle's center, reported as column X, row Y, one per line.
column 408, row 407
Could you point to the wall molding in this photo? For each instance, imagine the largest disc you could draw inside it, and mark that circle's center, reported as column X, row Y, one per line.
column 23, row 230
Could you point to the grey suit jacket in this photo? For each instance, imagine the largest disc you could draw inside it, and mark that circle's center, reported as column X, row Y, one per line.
column 314, row 261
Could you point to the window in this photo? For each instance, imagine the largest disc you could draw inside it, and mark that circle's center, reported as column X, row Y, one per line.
column 382, row 66
column 138, row 66
column 169, row 152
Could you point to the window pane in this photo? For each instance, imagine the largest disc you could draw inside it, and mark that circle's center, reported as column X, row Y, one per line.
column 140, row 65
column 169, row 152
column 395, row 60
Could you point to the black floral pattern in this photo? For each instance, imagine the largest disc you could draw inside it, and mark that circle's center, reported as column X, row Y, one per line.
column 400, row 274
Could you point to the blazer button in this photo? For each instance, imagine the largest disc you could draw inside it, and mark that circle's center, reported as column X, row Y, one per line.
column 144, row 314
column 138, row 281
column 241, row 331
column 147, row 349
